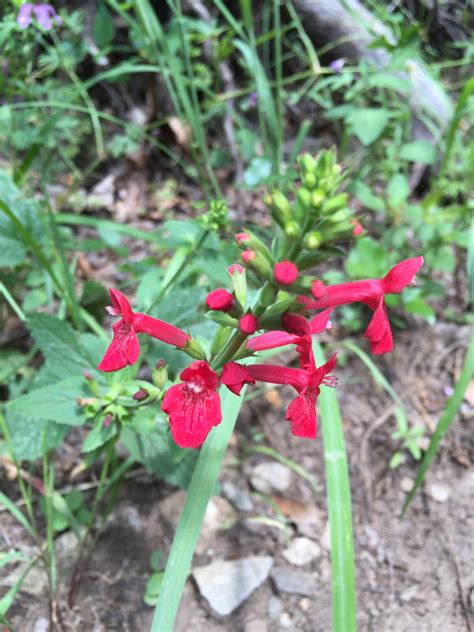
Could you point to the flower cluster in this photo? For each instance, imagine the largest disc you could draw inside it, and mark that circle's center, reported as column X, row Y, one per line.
column 45, row 15
column 291, row 308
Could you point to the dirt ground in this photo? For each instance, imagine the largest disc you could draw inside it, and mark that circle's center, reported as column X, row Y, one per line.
column 412, row 574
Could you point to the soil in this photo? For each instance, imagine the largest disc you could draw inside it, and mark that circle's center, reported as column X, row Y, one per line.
column 412, row 574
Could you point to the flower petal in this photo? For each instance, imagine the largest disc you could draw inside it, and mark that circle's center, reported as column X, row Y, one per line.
column 124, row 348
column 401, row 275
column 295, row 324
column 320, row 322
column 159, row 329
column 120, row 306
column 271, row 340
column 234, row 376
column 191, row 414
column 200, row 372
column 302, row 414
column 378, row 331
column 297, row 378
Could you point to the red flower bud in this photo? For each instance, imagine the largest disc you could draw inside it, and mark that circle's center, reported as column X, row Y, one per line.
column 285, row 272
column 358, row 228
column 140, row 395
column 248, row 255
column 235, row 268
column 160, row 363
column 87, row 375
column 248, row 324
column 241, row 238
column 318, row 289
column 220, row 300
column 108, row 419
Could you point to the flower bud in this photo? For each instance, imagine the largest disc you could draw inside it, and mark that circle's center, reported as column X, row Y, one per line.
column 159, row 374
column 107, row 420
column 248, row 255
column 220, row 300
column 292, row 229
column 140, row 395
column 358, row 228
column 285, row 272
column 281, row 208
column 257, row 262
column 241, row 238
column 239, row 283
column 304, row 197
column 317, row 198
column 248, row 324
column 235, row 269
column 307, row 163
column 310, row 181
column 313, row 240
column 318, row 289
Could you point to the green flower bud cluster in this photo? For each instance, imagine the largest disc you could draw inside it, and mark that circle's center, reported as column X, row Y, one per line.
column 217, row 218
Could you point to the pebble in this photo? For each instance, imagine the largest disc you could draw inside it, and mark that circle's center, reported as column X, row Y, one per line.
column 238, row 496
column 285, row 620
column 409, row 593
column 438, row 492
column 293, row 582
column 41, row 625
column 270, row 477
column 301, row 551
column 326, row 537
column 227, row 584
column 305, row 604
column 406, row 484
column 274, row 608
column 255, row 625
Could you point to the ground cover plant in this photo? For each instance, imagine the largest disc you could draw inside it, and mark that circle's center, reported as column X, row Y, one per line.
column 248, row 199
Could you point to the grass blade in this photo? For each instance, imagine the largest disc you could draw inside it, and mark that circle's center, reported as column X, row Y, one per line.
column 445, row 422
column 202, row 487
column 339, row 508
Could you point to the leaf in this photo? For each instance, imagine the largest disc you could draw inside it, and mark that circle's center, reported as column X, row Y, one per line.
column 364, row 194
column 103, row 27
column 55, row 402
column 12, row 248
column 367, row 260
column 27, row 435
column 99, row 435
column 398, row 189
column 60, row 346
column 368, row 123
column 257, row 172
column 418, row 151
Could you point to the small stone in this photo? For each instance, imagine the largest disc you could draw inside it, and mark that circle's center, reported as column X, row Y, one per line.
column 304, row 515
column 285, row 620
column 225, row 585
column 406, row 484
column 293, row 582
column 270, row 477
column 438, row 492
column 301, row 551
column 305, row 604
column 274, row 608
column 237, row 496
column 326, row 537
column 41, row 625
column 255, row 625
column 409, row 593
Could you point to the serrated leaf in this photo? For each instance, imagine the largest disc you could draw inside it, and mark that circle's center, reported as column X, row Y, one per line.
column 60, row 345
column 98, row 436
column 56, row 402
column 368, row 123
column 28, row 435
column 418, row 151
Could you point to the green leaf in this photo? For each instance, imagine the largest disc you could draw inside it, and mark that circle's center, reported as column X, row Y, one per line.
column 418, row 151
column 364, row 194
column 27, row 435
column 56, row 402
column 60, row 345
column 103, row 28
column 257, row 172
column 99, row 435
column 153, row 587
column 368, row 123
column 367, row 260
column 398, row 189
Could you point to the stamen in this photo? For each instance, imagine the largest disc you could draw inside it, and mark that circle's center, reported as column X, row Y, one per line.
column 329, row 380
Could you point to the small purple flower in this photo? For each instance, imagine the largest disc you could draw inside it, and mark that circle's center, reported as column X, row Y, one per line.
column 23, row 18
column 253, row 99
column 45, row 14
column 337, row 65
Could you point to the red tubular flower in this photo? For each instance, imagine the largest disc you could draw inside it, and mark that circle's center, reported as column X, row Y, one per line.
column 301, row 412
column 372, row 292
column 241, row 238
column 248, row 255
column 235, row 268
column 285, row 272
column 220, row 300
column 358, row 228
column 193, row 406
column 124, row 348
column 318, row 289
column 248, row 324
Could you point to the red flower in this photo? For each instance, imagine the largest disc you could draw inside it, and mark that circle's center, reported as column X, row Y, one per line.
column 248, row 324
column 220, row 300
column 124, row 348
column 285, row 272
column 241, row 238
column 248, row 255
column 318, row 289
column 235, row 268
column 299, row 332
column 302, row 411
column 193, row 406
column 358, row 228
column 372, row 292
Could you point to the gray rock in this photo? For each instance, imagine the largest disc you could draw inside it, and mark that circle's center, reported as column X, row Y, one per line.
column 271, row 477
column 256, row 625
column 225, row 585
column 237, row 496
column 293, row 582
column 301, row 551
column 438, row 492
column 274, row 608
column 41, row 625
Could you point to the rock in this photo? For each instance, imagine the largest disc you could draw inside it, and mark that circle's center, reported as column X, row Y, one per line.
column 238, row 496
column 41, row 625
column 285, row 620
column 438, row 492
column 225, row 585
column 406, row 484
column 271, row 477
column 218, row 514
column 326, row 537
column 409, row 593
column 274, row 608
column 301, row 551
column 305, row 604
column 255, row 625
column 293, row 582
